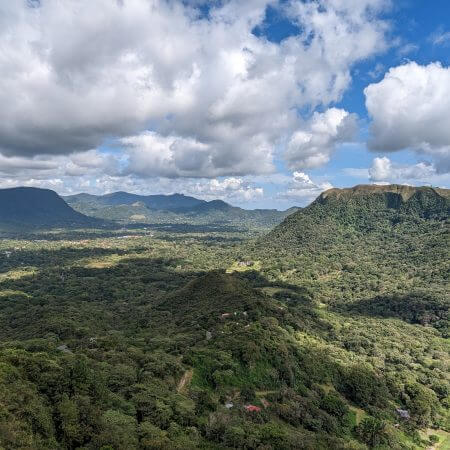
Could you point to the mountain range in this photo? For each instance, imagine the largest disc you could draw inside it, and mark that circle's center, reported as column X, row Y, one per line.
column 174, row 202
column 27, row 207
column 175, row 208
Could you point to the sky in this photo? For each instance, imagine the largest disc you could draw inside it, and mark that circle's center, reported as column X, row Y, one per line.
column 261, row 103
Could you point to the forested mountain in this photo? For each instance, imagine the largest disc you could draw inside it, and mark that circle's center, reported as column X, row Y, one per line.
column 176, row 208
column 365, row 241
column 330, row 332
column 363, row 209
column 26, row 207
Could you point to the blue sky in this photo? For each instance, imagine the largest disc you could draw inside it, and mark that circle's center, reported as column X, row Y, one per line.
column 415, row 24
column 263, row 103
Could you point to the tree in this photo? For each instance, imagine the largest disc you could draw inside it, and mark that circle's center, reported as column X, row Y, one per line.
column 372, row 432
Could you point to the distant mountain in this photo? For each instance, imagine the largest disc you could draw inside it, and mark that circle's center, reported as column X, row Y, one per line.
column 174, row 202
column 30, row 207
column 175, row 208
column 213, row 205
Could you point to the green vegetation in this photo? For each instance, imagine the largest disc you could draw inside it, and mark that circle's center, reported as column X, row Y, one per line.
column 333, row 330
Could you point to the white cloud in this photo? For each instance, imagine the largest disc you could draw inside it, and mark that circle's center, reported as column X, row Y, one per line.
column 384, row 170
column 16, row 164
column 61, row 171
column 150, row 154
column 302, row 189
column 381, row 169
column 47, row 183
column 229, row 189
column 74, row 74
column 312, row 147
column 343, row 30
column 234, row 190
column 410, row 108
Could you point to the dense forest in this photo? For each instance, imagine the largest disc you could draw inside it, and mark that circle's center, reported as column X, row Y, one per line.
column 330, row 332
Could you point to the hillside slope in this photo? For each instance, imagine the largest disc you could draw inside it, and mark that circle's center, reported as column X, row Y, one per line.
column 356, row 243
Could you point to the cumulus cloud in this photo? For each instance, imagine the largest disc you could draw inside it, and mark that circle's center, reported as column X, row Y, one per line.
column 410, row 108
column 74, row 74
column 150, row 154
column 303, row 189
column 383, row 169
column 229, row 189
column 312, row 147
column 90, row 162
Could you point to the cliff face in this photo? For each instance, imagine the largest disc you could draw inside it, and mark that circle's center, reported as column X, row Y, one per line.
column 423, row 201
column 405, row 192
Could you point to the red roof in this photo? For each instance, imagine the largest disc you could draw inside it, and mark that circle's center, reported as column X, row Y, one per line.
column 252, row 408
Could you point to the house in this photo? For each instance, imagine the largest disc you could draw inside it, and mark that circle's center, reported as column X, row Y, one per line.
column 252, row 408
